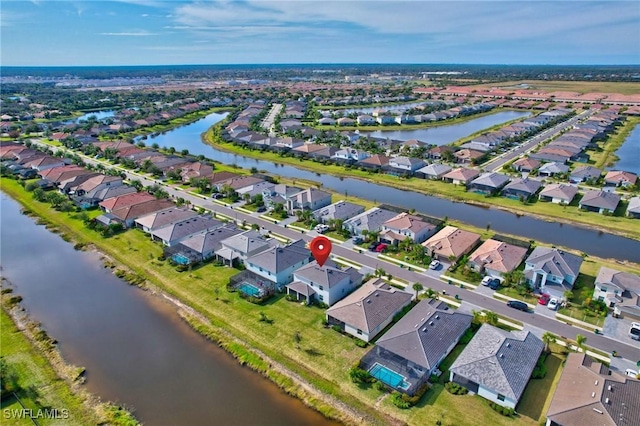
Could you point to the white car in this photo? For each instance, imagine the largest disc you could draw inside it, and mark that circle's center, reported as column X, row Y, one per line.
column 631, row 373
column 322, row 228
column 486, row 280
column 634, row 331
column 553, row 304
column 435, row 264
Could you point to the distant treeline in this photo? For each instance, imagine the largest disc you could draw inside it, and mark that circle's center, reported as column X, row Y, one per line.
column 284, row 71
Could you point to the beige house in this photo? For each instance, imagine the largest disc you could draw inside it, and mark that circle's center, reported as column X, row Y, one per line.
column 496, row 258
column 451, row 243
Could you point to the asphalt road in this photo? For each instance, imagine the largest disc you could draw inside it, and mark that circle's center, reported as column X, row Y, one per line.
column 603, row 343
column 497, row 163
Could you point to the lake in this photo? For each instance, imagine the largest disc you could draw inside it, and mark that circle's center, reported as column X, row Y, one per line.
column 629, row 153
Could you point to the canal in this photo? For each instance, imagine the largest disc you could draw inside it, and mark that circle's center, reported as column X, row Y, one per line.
column 629, row 153
column 134, row 346
column 587, row 240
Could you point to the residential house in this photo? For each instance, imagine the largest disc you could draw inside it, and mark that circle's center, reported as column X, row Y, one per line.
column 371, row 220
column 496, row 258
column 414, row 347
column 175, row 232
column 600, row 201
column 350, row 155
column 201, row 246
column 129, row 213
column 552, row 271
column 342, row 210
column 552, row 169
column 242, row 246
column 45, row 162
column 196, row 170
column 526, row 164
column 326, row 284
column 497, row 364
column 489, row 183
column 522, row 188
column 633, row 209
column 66, row 186
column 59, row 174
column 327, row 121
column 589, row 393
column 157, row 220
column 558, row 193
column 115, row 203
column 345, row 121
column 237, row 183
column 451, row 243
column 620, row 178
column 584, row 173
column 276, row 265
column 405, row 225
column 619, row 290
column 433, row 171
column 465, row 156
column 365, row 120
column 111, row 192
column 376, row 161
column 308, row 199
column 406, row 164
column 461, row 176
column 368, row 310
column 438, row 152
column 386, row 120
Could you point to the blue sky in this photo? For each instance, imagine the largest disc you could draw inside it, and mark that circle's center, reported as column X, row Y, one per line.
column 150, row 32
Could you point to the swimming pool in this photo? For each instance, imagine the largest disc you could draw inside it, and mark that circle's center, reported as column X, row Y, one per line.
column 389, row 377
column 249, row 290
column 180, row 259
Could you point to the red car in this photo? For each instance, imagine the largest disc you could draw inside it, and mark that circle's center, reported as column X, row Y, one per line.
column 381, row 248
column 544, row 299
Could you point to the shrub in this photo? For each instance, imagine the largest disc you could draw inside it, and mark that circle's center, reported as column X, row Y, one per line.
column 467, row 336
column 398, row 401
column 455, row 388
column 361, row 343
column 379, row 386
column 505, row 411
column 540, row 370
column 358, row 375
column 336, row 328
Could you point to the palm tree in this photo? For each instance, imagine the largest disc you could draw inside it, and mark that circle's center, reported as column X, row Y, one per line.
column 490, row 317
column 379, row 272
column 548, row 338
column 418, row 288
column 431, row 293
column 580, row 341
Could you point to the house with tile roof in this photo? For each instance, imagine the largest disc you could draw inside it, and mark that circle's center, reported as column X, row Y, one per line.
column 552, row 169
column 115, row 203
column 326, row 284
column 521, row 188
column 465, row 155
column 558, row 193
column 128, row 214
column 369, row 309
column 552, row 271
column 201, row 246
column 276, row 265
column 600, row 201
column 175, row 232
column 433, row 171
column 588, row 393
column 619, row 290
column 451, row 243
column 461, row 176
column 497, row 364
column 376, row 161
column 414, row 347
column 584, row 173
column 157, row 220
column 496, row 258
column 368, row 221
column 526, row 164
column 406, row 164
column 342, row 210
column 633, row 209
column 405, row 225
column 620, row 178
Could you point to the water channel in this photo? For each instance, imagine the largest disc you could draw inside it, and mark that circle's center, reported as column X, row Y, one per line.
column 136, row 349
column 583, row 239
column 629, row 153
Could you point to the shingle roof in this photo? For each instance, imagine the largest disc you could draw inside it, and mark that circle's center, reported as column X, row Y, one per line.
column 424, row 335
column 280, row 258
column 585, row 172
column 371, row 219
column 527, row 185
column 623, row 280
column 210, row 240
column 179, row 230
column 435, row 169
column 159, row 219
column 370, row 305
column 634, row 205
column 247, row 242
column 491, row 179
column 341, row 210
column 557, row 262
column 600, row 199
column 134, row 211
column 554, row 168
column 560, row 190
column 499, row 360
column 326, row 275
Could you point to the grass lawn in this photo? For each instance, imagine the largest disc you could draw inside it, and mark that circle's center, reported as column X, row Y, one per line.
column 538, row 394
column 624, row 88
column 511, row 292
column 34, row 370
column 457, row 274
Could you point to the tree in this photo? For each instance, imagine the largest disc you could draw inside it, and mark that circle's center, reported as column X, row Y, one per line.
column 431, row 293
column 380, row 272
column 580, row 341
column 491, row 317
column 418, row 288
column 548, row 338
column 568, row 295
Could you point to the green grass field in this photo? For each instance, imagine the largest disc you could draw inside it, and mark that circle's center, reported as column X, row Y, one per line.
column 623, row 88
column 539, row 392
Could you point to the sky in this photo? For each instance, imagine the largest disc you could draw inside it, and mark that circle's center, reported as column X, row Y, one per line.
column 154, row 32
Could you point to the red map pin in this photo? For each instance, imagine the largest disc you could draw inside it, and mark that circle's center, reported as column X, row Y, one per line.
column 320, row 248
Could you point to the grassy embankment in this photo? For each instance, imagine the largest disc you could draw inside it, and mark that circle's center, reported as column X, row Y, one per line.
column 46, row 382
column 623, row 88
column 605, row 155
column 547, row 211
column 322, row 358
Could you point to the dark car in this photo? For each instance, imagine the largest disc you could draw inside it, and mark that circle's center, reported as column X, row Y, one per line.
column 516, row 304
column 373, row 246
column 261, row 209
column 216, row 195
column 494, row 284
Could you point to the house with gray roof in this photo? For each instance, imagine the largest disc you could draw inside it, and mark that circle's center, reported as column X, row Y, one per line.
column 369, row 221
column 588, row 393
column 552, row 169
column 327, row 283
column 433, row 171
column 368, row 310
column 620, row 291
column 342, row 210
column 177, row 231
column 633, row 209
column 600, row 201
column 558, row 193
column 524, row 188
column 308, row 199
column 201, row 246
column 243, row 245
column 461, row 176
column 402, row 164
column 552, row 271
column 584, row 173
column 157, row 220
column 497, row 364
column 488, row 183
column 414, row 347
column 276, row 265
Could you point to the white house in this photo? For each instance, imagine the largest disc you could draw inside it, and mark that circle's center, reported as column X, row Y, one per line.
column 552, row 271
column 277, row 264
column 327, row 284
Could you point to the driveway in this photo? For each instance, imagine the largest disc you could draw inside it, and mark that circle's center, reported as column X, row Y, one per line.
column 618, row 329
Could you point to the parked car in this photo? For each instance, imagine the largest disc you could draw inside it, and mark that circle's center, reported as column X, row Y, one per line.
column 632, row 373
column 494, row 284
column 435, row 264
column 261, row 209
column 216, row 196
column 381, row 248
column 634, row 331
column 321, row 228
column 486, row 280
column 553, row 304
column 516, row 304
column 372, row 246
column 544, row 299
column 357, row 239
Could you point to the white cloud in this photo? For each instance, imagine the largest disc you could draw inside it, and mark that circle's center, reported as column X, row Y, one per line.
column 130, row 34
